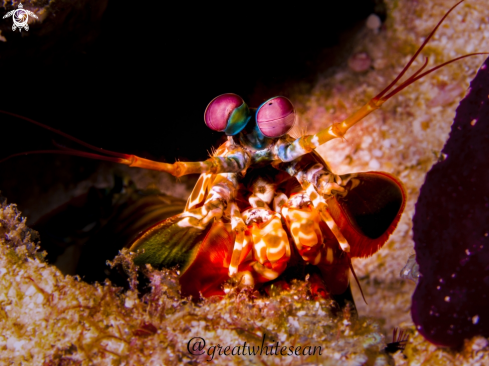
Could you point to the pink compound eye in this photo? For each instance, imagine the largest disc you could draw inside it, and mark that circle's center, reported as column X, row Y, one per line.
column 275, row 117
column 227, row 113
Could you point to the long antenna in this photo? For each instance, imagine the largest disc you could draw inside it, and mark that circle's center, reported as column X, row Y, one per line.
column 58, row 132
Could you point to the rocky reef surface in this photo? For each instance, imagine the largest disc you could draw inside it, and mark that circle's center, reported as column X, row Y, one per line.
column 48, row 318
column 55, row 319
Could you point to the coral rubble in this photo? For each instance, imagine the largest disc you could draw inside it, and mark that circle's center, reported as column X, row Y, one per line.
column 51, row 319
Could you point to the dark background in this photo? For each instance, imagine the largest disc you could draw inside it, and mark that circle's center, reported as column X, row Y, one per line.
column 137, row 77
column 140, row 78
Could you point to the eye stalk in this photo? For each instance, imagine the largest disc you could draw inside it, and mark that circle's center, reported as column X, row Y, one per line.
column 227, row 113
column 275, row 117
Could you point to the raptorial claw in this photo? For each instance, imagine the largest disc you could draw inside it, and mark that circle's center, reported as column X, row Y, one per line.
column 269, row 243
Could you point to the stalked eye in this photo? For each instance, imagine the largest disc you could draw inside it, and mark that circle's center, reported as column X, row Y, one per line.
column 275, row 117
column 227, row 113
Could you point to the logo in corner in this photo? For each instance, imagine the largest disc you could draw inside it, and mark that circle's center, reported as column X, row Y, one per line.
column 20, row 17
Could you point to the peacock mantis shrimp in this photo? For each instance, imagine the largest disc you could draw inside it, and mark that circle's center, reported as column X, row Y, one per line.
column 267, row 204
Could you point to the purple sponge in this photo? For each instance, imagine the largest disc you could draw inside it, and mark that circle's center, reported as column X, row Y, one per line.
column 451, row 229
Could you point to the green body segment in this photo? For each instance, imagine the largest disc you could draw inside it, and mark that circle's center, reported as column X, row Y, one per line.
column 166, row 244
column 202, row 255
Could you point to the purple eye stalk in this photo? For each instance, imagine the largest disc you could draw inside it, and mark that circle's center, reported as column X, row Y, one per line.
column 275, row 117
column 227, row 113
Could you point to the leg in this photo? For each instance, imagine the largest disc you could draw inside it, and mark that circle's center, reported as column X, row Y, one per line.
column 262, row 194
column 261, row 250
column 209, row 199
column 242, row 244
column 317, row 245
column 269, row 243
column 319, row 184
